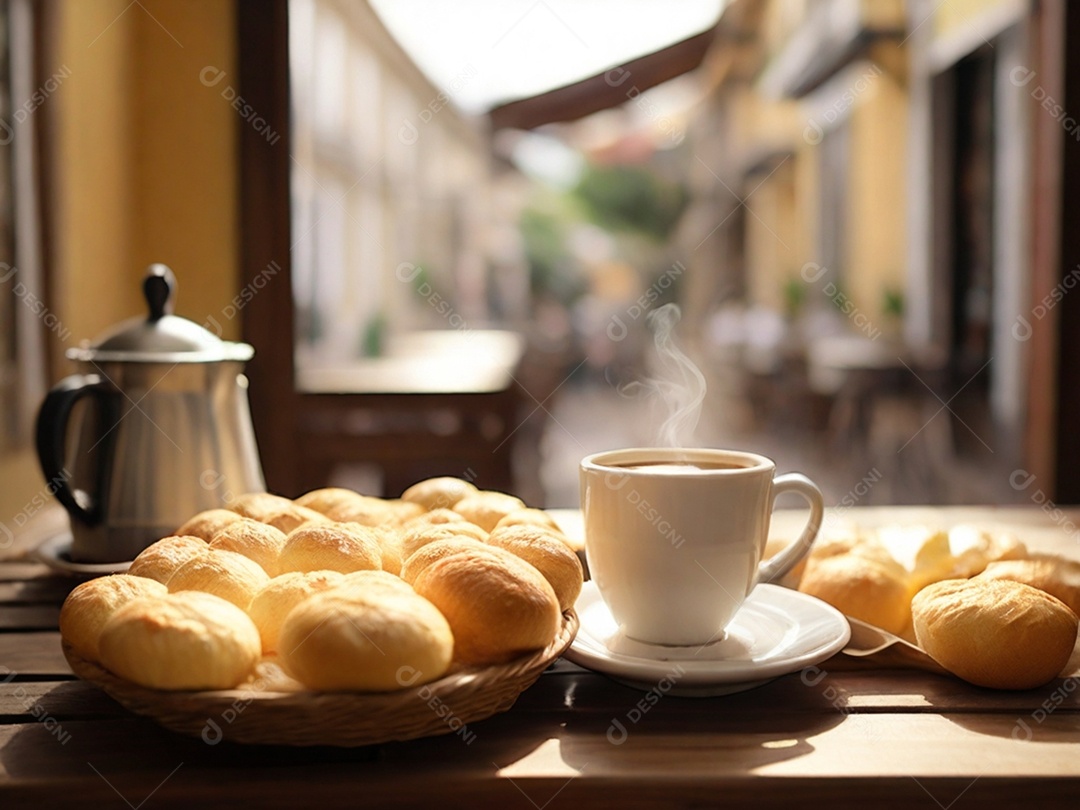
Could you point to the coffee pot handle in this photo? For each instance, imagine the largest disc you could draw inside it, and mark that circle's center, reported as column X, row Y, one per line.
column 52, row 425
column 787, row 559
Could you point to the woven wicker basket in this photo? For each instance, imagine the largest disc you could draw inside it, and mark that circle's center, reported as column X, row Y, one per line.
column 266, row 716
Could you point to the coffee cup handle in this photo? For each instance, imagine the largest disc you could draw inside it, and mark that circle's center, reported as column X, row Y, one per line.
column 774, row 569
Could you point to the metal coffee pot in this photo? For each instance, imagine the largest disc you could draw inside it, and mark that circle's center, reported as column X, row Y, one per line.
column 166, row 432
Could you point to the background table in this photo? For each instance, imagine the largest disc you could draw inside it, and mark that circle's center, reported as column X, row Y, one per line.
column 829, row 734
column 441, row 402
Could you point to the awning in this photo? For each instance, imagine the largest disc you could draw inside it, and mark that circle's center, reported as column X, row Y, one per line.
column 537, row 61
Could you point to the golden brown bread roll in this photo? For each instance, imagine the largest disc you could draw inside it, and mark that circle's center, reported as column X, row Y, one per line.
column 402, row 511
column 227, row 574
column 280, row 595
column 363, row 509
column 160, row 560
column 368, row 639
column 326, row 499
column 415, row 539
column 974, row 548
column 828, row 546
column 343, row 547
column 346, row 506
column 436, row 517
column 486, row 508
column 376, row 580
column 259, row 505
column 274, row 510
column 259, row 542
column 544, row 551
column 866, row 588
column 438, row 493
column 922, row 551
column 206, row 524
column 531, row 517
column 389, row 547
column 91, row 604
column 188, row 640
column 538, row 517
column 436, row 550
column 994, row 633
column 498, row 606
column 1057, row 576
column 294, row 516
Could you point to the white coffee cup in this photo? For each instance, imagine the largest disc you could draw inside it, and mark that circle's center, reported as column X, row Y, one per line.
column 674, row 537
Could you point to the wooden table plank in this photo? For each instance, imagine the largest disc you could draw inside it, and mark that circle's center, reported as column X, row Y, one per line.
column 33, row 655
column 29, row 617
column 288, row 788
column 941, row 755
column 40, row 590
column 812, row 690
column 25, row 701
column 581, row 710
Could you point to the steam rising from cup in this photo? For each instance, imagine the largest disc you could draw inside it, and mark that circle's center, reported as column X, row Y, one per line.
column 680, row 385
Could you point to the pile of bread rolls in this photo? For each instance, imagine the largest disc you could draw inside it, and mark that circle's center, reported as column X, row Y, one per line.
column 344, row 591
column 978, row 602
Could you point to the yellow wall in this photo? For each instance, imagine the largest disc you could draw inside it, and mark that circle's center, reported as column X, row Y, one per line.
column 876, row 225
column 772, row 234
column 185, row 153
column 145, row 164
column 144, row 168
column 94, row 280
column 957, row 15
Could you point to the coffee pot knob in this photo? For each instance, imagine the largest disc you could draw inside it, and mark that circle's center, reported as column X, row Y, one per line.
column 159, row 287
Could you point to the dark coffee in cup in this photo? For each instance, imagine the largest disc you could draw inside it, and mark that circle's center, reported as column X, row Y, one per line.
column 679, row 466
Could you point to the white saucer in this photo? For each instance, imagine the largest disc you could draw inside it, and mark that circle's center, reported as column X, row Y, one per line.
column 776, row 631
column 56, row 553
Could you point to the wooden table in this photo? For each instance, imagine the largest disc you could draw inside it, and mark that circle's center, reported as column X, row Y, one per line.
column 834, row 734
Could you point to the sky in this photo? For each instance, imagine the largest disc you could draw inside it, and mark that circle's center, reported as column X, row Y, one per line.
column 486, row 52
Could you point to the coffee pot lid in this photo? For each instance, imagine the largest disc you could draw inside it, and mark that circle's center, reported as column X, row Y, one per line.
column 161, row 337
